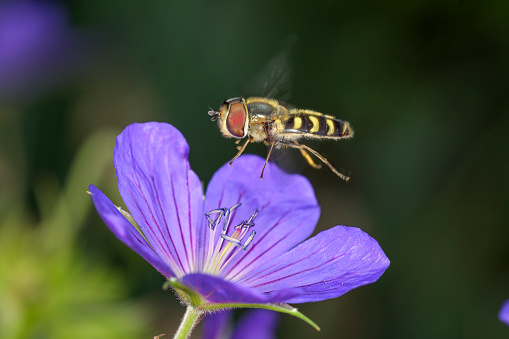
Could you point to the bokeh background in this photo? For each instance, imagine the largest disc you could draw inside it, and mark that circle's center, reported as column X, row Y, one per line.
column 425, row 84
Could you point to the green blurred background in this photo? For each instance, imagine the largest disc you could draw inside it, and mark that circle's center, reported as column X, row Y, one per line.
column 425, row 85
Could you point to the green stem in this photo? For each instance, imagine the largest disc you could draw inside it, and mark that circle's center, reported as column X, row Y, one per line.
column 190, row 320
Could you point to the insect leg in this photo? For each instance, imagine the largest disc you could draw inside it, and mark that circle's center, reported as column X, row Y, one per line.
column 267, row 159
column 240, row 151
column 316, row 154
column 308, row 157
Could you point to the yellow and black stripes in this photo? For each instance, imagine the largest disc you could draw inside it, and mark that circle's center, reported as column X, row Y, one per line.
column 317, row 125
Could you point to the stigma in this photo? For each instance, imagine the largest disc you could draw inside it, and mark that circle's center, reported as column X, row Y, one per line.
column 223, row 247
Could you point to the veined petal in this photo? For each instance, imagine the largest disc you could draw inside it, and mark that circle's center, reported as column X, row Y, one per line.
column 161, row 191
column 288, row 210
column 216, row 290
column 125, row 231
column 326, row 266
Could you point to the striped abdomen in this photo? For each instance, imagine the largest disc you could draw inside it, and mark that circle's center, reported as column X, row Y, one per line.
column 316, row 125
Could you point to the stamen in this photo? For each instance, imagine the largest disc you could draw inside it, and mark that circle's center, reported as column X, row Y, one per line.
column 232, row 240
column 228, row 214
column 220, row 254
column 213, row 224
column 253, row 216
column 248, row 241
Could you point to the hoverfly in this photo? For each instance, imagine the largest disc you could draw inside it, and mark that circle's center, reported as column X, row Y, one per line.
column 278, row 124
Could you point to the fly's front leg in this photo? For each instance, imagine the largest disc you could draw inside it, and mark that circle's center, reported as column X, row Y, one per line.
column 241, row 149
column 316, row 154
column 269, row 141
column 267, row 159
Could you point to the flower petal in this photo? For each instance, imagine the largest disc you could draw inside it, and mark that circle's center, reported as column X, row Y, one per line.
column 286, row 202
column 125, row 231
column 216, row 325
column 503, row 315
column 256, row 324
column 160, row 190
column 253, row 324
column 218, row 291
column 326, row 266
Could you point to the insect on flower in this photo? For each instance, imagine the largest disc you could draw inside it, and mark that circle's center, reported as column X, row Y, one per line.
column 205, row 245
column 278, row 124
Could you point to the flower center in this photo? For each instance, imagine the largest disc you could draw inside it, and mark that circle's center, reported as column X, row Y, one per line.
column 222, row 247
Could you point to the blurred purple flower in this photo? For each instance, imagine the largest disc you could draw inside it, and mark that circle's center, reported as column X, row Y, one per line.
column 503, row 315
column 37, row 46
column 254, row 324
column 217, row 325
column 167, row 227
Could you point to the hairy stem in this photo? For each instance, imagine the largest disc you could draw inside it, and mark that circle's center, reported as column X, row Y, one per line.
column 190, row 320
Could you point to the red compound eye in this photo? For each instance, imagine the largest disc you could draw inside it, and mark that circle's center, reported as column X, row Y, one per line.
column 236, row 120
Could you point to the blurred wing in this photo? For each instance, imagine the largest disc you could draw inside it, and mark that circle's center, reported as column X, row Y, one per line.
column 275, row 79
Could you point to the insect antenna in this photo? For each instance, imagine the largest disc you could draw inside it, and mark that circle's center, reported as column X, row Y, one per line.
column 213, row 115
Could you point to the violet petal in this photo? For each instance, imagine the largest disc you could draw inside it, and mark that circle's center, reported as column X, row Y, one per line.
column 326, row 266
column 126, row 232
column 256, row 324
column 160, row 190
column 503, row 315
column 216, row 325
column 219, row 291
column 288, row 211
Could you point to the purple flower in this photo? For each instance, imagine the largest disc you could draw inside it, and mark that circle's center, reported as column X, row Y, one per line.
column 37, row 46
column 205, row 245
column 254, row 324
column 503, row 315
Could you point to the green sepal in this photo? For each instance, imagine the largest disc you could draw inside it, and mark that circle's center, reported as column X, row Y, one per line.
column 188, row 295
column 195, row 299
column 283, row 308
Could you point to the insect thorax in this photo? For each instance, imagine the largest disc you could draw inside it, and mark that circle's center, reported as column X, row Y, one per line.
column 265, row 119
